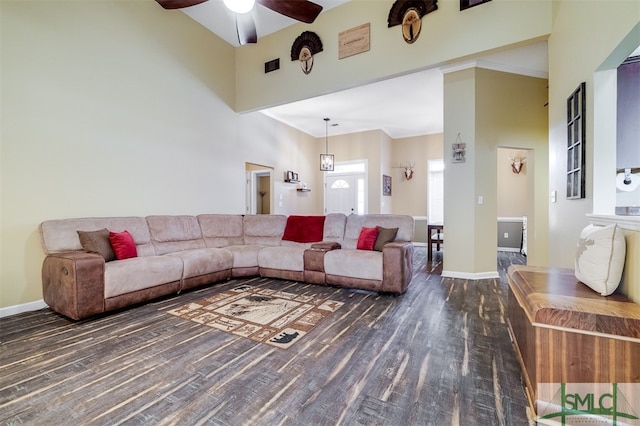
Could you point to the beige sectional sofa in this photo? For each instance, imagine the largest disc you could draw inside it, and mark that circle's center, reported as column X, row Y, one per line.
column 176, row 253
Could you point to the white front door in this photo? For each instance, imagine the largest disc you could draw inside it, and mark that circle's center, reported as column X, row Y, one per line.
column 345, row 189
column 342, row 194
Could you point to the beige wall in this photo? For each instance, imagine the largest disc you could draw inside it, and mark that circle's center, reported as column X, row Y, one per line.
column 584, row 41
column 459, row 178
column 410, row 196
column 122, row 108
column 386, row 202
column 512, row 188
column 489, row 109
column 384, row 155
column 447, row 34
column 575, row 54
column 371, row 146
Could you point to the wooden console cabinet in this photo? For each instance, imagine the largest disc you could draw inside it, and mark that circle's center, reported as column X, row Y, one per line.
column 564, row 332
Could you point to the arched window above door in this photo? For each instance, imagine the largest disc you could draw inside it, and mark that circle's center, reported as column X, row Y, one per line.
column 340, row 184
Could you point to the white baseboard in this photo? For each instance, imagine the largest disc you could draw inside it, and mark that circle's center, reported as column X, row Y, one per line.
column 25, row 307
column 470, row 275
column 510, row 249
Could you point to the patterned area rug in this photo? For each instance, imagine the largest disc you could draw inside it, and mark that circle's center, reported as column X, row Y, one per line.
column 277, row 318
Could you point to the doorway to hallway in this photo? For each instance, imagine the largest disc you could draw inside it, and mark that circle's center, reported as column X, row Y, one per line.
column 259, row 184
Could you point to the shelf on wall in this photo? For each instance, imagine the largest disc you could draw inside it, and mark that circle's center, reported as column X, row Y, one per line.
column 304, row 190
column 291, row 181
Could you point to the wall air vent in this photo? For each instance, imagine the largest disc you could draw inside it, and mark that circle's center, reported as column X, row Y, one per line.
column 272, row 65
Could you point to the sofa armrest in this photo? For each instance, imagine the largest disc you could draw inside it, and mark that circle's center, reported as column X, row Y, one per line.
column 326, row 246
column 397, row 266
column 73, row 283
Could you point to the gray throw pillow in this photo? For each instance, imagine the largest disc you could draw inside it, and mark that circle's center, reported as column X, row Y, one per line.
column 97, row 242
column 385, row 235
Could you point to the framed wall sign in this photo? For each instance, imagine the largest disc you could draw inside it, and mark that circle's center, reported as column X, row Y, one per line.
column 353, row 41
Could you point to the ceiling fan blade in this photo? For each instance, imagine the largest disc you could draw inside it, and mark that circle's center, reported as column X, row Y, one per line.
column 178, row 4
column 300, row 10
column 246, row 28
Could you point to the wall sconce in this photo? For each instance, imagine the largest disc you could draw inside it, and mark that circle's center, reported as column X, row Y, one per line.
column 326, row 159
column 516, row 164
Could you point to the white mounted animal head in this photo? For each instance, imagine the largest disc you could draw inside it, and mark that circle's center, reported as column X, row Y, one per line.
column 516, row 164
column 408, row 170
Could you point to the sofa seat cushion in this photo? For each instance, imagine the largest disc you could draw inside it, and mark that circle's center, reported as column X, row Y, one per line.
column 138, row 273
column 204, row 261
column 363, row 264
column 288, row 258
column 244, row 256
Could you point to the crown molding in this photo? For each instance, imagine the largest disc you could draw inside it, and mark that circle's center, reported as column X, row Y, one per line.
column 478, row 63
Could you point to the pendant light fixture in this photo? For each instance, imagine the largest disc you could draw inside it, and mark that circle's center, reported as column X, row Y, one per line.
column 326, row 159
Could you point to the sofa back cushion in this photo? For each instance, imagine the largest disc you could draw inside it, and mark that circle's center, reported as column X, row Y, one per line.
column 221, row 230
column 334, row 226
column 355, row 223
column 175, row 233
column 62, row 234
column 264, row 229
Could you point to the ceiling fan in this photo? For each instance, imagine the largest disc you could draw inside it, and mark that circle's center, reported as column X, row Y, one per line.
column 300, row 10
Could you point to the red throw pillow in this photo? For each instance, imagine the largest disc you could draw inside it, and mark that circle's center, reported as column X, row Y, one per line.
column 304, row 229
column 367, row 238
column 123, row 245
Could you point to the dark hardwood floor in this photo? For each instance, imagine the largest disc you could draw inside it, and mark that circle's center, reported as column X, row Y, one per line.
column 438, row 355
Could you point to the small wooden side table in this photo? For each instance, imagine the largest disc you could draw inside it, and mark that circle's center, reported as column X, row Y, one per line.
column 434, row 238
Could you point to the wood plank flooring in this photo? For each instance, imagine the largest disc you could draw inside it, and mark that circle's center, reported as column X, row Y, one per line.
column 438, row 355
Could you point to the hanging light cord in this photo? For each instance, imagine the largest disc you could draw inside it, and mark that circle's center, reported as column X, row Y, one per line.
column 326, row 137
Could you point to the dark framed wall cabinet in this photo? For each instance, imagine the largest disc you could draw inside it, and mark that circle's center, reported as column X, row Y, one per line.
column 576, row 129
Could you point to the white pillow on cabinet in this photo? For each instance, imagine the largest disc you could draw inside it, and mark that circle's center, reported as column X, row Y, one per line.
column 600, row 258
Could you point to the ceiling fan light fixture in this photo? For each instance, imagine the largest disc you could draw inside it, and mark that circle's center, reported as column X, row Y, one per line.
column 239, row 6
